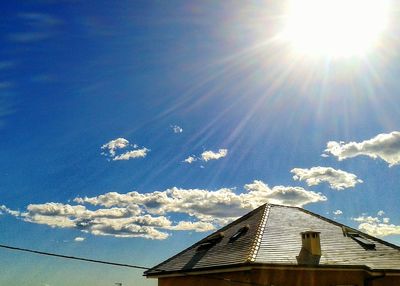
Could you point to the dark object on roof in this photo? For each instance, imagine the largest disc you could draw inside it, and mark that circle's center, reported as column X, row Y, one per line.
column 241, row 231
column 367, row 244
column 210, row 241
column 270, row 235
column 358, row 237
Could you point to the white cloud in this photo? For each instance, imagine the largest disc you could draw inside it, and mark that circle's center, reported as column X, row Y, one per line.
column 380, row 213
column 337, row 212
column 118, row 222
column 210, row 155
column 113, row 145
column 140, row 153
column 176, row 129
column 197, row 226
column 259, row 193
column 79, row 239
column 380, row 230
column 376, row 226
column 207, row 156
column 367, row 219
column 337, row 179
column 146, row 215
column 190, row 159
column 207, row 205
column 384, row 146
column 4, row 209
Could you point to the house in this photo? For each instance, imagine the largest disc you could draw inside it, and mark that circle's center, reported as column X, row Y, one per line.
column 283, row 246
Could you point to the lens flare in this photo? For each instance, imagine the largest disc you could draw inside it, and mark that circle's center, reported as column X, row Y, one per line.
column 336, row 28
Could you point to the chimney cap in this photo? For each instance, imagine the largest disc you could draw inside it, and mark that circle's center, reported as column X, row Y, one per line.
column 309, row 231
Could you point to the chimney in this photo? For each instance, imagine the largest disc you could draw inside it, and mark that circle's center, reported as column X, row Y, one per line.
column 311, row 242
column 310, row 252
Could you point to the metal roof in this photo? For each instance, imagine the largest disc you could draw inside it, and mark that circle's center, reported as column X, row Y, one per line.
column 272, row 237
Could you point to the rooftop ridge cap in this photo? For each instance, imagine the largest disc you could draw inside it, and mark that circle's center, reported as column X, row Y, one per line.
column 257, row 240
column 397, row 247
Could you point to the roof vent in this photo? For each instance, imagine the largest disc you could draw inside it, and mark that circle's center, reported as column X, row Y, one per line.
column 310, row 252
column 240, row 232
column 210, row 241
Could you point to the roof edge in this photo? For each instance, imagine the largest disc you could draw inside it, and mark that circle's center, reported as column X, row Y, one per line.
column 260, row 266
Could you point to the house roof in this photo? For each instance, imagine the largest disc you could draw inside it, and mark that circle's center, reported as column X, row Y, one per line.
column 270, row 235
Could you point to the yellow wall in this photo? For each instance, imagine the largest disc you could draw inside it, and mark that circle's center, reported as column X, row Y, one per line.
column 280, row 278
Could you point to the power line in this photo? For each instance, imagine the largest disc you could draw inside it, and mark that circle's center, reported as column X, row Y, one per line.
column 73, row 257
column 120, row 264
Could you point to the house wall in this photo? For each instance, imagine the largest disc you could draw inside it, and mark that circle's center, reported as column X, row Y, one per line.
column 280, row 278
column 390, row 280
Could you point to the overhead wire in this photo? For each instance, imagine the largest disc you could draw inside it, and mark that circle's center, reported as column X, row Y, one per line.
column 120, row 264
column 73, row 257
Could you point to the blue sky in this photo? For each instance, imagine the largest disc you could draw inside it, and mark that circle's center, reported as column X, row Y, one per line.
column 129, row 130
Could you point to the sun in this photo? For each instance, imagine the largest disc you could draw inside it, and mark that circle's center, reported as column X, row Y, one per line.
column 335, row 28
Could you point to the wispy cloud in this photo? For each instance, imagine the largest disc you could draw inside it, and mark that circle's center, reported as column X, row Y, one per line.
column 110, row 149
column 190, row 159
column 176, row 129
column 37, row 27
column 4, row 209
column 147, row 215
column 6, row 65
column 27, row 37
column 113, row 145
column 337, row 179
column 140, row 153
column 5, row 84
column 197, row 226
column 377, row 226
column 207, row 156
column 260, row 192
column 337, row 212
column 7, row 95
column 7, row 101
column 383, row 146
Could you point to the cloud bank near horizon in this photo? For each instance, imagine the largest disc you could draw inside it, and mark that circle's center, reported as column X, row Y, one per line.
column 147, row 215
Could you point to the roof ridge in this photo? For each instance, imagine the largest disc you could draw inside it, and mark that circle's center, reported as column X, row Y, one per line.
column 257, row 240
